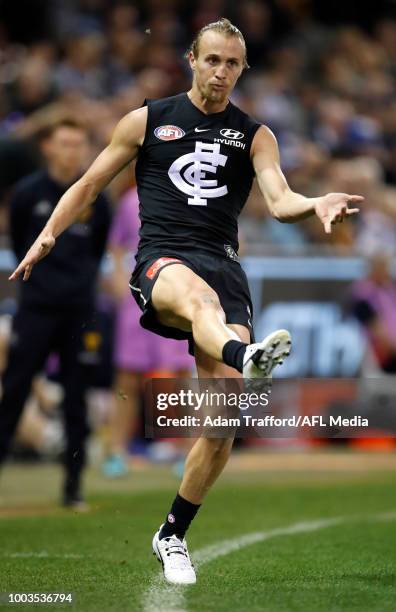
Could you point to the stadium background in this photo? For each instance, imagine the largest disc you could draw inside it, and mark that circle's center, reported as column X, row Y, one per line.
column 322, row 77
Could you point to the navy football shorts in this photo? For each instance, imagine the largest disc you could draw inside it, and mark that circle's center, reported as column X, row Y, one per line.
column 225, row 276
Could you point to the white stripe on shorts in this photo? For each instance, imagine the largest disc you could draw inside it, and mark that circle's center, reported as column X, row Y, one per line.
column 140, row 293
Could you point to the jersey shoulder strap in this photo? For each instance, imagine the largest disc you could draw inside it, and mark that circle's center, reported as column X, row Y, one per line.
column 163, row 108
column 246, row 124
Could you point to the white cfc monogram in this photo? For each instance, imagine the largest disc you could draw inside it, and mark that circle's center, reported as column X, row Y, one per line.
column 188, row 173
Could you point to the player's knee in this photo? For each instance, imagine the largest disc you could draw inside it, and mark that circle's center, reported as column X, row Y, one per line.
column 205, row 299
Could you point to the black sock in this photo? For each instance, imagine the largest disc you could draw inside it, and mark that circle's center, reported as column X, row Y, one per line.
column 233, row 353
column 179, row 518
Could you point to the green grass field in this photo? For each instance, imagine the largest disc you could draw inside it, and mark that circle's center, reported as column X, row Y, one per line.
column 104, row 557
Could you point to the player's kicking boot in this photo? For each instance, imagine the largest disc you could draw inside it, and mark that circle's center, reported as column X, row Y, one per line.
column 261, row 358
column 173, row 554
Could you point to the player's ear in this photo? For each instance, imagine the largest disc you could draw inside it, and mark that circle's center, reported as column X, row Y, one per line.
column 191, row 60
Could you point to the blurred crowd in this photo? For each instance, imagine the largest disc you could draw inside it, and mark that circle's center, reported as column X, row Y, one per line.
column 322, row 79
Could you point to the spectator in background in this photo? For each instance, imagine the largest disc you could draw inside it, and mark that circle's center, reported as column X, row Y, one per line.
column 34, row 86
column 56, row 305
column 255, row 21
column 374, row 306
column 82, row 69
column 375, row 231
column 137, row 352
column 125, row 42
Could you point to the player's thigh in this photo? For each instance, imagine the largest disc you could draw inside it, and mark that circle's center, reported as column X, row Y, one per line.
column 176, row 293
column 207, row 367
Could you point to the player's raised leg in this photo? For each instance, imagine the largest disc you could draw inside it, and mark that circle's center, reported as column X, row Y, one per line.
column 182, row 299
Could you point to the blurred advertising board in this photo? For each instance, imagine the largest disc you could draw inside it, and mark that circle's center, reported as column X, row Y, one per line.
column 309, row 296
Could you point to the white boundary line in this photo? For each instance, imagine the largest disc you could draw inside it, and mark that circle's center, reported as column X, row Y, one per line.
column 164, row 597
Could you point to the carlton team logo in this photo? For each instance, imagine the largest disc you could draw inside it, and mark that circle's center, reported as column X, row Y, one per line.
column 169, row 132
column 188, row 173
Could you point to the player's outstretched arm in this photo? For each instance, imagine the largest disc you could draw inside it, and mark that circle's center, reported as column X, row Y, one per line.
column 283, row 203
column 123, row 148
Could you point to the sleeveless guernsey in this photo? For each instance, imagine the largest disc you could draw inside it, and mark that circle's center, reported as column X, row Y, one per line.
column 194, row 174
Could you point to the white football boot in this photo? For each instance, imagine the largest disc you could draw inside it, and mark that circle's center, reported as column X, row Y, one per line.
column 261, row 357
column 173, row 555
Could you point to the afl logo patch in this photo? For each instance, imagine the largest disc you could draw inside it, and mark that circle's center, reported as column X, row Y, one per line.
column 168, row 132
column 231, row 134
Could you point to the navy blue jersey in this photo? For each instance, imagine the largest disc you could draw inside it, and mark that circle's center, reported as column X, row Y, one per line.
column 66, row 277
column 194, row 174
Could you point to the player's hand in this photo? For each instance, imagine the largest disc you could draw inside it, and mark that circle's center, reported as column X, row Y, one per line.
column 39, row 249
column 333, row 208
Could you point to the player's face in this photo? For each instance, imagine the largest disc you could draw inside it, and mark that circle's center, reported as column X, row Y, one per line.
column 218, row 66
column 67, row 150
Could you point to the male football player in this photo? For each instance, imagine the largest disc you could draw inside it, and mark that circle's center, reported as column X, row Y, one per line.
column 197, row 155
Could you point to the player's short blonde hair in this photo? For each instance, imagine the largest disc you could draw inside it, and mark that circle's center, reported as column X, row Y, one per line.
column 223, row 26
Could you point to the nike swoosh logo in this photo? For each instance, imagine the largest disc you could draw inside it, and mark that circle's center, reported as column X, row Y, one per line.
column 204, row 130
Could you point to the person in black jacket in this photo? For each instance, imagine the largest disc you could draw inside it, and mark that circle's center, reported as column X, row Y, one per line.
column 56, row 306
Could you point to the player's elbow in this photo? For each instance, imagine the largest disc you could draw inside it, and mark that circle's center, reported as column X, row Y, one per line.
column 283, row 219
column 282, row 214
column 280, row 205
column 276, row 213
column 276, row 207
